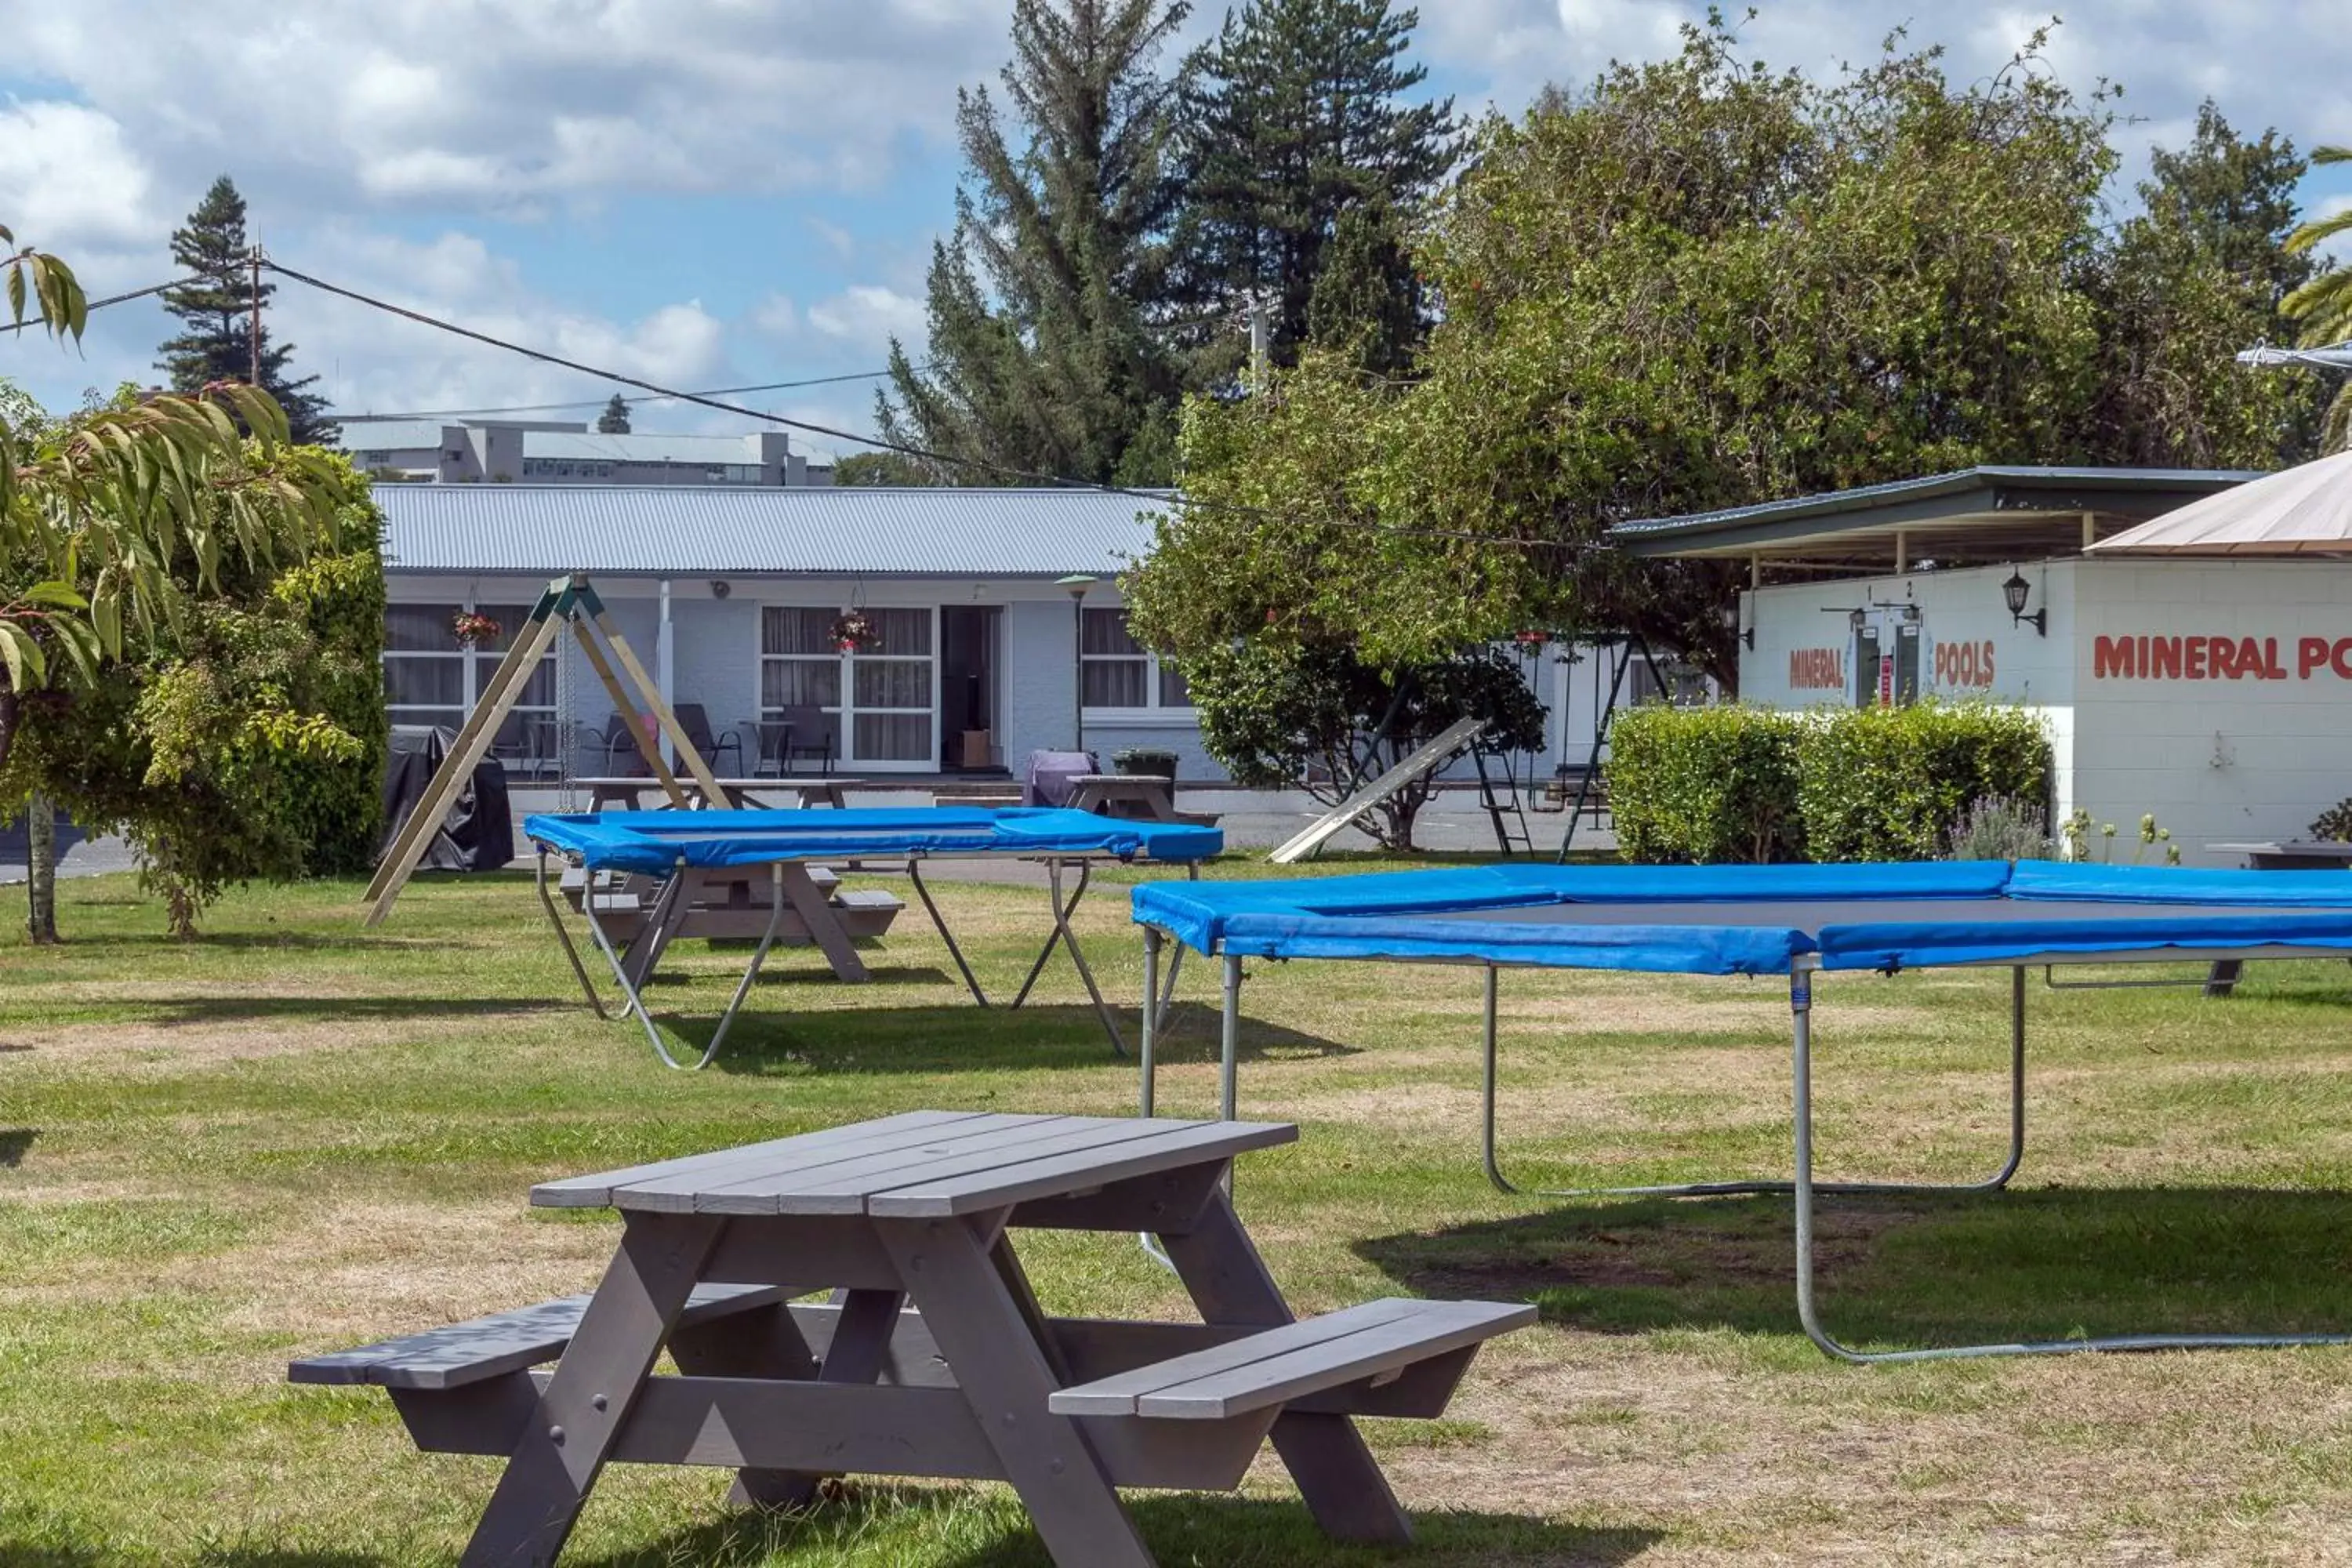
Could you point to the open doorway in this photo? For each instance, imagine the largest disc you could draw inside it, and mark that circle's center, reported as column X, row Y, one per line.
column 968, row 739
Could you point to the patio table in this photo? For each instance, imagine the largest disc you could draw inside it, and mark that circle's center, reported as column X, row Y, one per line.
column 633, row 791
column 934, row 1357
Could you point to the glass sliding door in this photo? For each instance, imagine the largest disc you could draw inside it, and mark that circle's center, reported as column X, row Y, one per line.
column 878, row 704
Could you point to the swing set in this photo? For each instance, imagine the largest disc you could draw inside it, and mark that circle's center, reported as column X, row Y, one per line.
column 569, row 603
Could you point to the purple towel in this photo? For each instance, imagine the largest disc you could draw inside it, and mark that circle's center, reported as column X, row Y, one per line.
column 1053, row 775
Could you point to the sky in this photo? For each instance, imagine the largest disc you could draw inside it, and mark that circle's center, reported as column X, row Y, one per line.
column 717, row 192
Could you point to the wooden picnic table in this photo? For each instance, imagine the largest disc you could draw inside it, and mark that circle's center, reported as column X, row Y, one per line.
column 1145, row 797
column 631, row 790
column 2275, row 855
column 933, row 1357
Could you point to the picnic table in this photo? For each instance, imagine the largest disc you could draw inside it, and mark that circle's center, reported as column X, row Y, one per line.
column 632, row 792
column 933, row 1357
column 2276, row 855
column 1143, row 797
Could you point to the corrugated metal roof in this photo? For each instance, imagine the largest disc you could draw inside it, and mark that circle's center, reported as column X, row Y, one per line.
column 708, row 530
column 1862, row 498
column 590, row 446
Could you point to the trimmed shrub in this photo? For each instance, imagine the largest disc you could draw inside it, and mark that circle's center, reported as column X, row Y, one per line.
column 1887, row 784
column 1731, row 783
column 1705, row 784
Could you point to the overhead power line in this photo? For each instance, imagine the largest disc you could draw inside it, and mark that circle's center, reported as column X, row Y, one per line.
column 648, row 398
column 109, row 299
column 904, row 449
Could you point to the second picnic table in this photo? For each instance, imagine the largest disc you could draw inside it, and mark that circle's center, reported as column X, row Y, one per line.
column 934, row 1357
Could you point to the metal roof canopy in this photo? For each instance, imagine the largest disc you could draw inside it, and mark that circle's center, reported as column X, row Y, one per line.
column 751, row 530
column 1974, row 516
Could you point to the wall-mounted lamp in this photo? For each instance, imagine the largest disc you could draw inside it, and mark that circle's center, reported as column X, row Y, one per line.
column 2014, row 593
column 1857, row 619
column 720, row 588
column 1910, row 614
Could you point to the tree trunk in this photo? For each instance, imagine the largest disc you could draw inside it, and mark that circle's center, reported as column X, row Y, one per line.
column 41, row 869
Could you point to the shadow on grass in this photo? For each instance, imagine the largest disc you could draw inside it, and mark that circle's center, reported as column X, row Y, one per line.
column 2042, row 1264
column 987, row 1529
column 339, row 1009
column 266, row 941
column 15, row 1143
column 953, row 1038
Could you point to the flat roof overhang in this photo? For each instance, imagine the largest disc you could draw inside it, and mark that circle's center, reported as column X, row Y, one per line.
column 1972, row 516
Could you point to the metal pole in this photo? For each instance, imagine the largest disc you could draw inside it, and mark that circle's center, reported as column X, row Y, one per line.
column 253, row 332
column 1233, row 1037
column 1144, row 1053
column 1078, row 668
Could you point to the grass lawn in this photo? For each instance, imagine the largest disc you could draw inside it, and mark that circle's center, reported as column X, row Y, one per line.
column 296, row 1135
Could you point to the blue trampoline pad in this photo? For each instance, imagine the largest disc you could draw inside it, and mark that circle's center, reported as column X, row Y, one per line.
column 1756, row 920
column 656, row 842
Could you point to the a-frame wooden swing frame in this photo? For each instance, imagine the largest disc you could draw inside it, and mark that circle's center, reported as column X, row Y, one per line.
column 568, row 602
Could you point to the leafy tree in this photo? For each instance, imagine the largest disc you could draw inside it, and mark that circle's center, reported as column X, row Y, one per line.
column 1366, row 301
column 217, row 312
column 1701, row 283
column 886, row 468
column 120, row 526
column 2200, row 273
column 1281, row 717
column 1295, row 114
column 1045, row 352
column 2324, row 303
column 614, row 420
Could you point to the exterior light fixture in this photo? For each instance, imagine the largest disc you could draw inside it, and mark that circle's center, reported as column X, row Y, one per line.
column 1857, row 619
column 2014, row 594
column 1910, row 614
column 1076, row 585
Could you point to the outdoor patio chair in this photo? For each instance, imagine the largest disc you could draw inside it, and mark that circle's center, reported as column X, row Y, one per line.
column 695, row 722
column 615, row 750
column 792, row 734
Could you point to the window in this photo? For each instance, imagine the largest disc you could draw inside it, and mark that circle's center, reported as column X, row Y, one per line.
column 1116, row 671
column 880, row 700
column 430, row 680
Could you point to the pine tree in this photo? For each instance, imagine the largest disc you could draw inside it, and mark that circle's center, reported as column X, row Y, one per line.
column 1366, row 301
column 1293, row 114
column 614, row 420
column 217, row 310
column 1046, row 306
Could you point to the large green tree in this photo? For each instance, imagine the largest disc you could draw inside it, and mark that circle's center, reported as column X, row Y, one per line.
column 215, row 310
column 1046, row 352
column 2322, row 305
column 1699, row 283
column 1298, row 113
column 2200, row 273
column 127, row 534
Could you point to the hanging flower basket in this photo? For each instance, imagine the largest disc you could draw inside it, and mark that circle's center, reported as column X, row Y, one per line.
column 472, row 630
column 1531, row 638
column 852, row 631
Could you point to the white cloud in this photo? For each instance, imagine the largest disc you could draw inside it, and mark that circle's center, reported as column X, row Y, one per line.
column 68, row 178
column 870, row 314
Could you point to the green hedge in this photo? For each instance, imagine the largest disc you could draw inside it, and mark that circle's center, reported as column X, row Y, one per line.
column 1705, row 785
column 1712, row 784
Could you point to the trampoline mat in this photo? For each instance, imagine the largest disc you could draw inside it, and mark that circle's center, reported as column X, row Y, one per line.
column 1813, row 914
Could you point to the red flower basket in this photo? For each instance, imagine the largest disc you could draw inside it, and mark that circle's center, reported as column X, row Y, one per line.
column 471, row 629
column 852, row 631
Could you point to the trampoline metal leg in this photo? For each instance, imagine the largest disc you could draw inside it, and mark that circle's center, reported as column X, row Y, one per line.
column 1743, row 1187
column 1230, row 1042
column 776, row 905
column 1146, row 1063
column 563, row 937
column 621, row 972
column 938, row 923
column 1805, row 1189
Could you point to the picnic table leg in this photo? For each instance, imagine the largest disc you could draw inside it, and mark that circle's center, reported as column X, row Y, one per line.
column 824, row 926
column 1337, row 1479
column 939, row 923
column 595, row 1384
column 1006, row 1378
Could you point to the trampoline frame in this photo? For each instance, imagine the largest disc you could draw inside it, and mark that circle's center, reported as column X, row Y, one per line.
column 1803, row 1187
column 666, row 907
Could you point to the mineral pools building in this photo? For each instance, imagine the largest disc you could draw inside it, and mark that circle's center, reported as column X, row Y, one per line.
column 2213, row 691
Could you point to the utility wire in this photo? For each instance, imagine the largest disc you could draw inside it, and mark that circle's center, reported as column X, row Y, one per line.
column 600, row 402
column 109, row 299
column 1000, row 471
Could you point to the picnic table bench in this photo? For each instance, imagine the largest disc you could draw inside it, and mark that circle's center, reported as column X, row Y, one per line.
column 933, row 1357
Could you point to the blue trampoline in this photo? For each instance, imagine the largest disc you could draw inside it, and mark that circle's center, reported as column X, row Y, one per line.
column 685, row 851
column 1796, row 922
